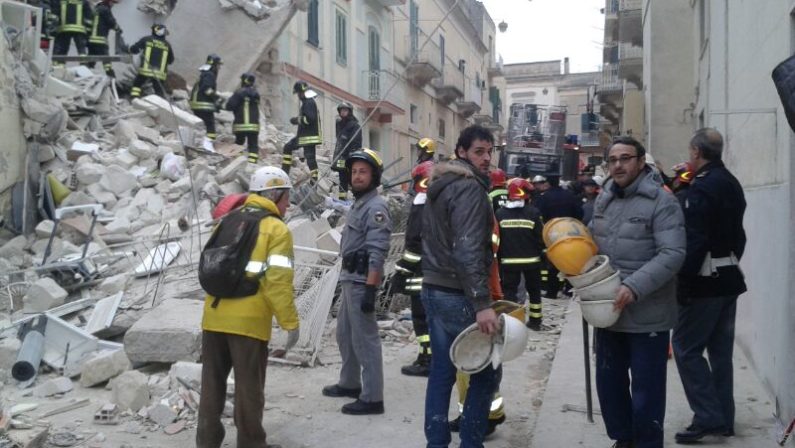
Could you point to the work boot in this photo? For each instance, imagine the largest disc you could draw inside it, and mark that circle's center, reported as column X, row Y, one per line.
column 420, row 367
column 537, row 325
column 695, row 433
column 493, row 423
column 360, row 407
column 623, row 444
column 336, row 390
column 455, row 424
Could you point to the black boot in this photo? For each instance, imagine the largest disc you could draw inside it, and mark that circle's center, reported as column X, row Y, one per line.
column 335, row 390
column 420, row 367
column 360, row 407
column 536, row 324
column 493, row 424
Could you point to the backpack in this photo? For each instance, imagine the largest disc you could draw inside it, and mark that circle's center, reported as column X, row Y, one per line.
column 222, row 264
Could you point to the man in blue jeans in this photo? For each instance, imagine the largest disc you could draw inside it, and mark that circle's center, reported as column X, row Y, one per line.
column 640, row 227
column 456, row 259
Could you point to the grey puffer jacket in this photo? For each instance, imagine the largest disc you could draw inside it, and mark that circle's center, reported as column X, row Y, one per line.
column 642, row 229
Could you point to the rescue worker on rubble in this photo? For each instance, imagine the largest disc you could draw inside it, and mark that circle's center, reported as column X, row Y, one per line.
column 309, row 133
column 204, row 99
column 408, row 270
column 236, row 331
column 521, row 247
column 498, row 193
column 101, row 25
column 157, row 56
column 49, row 23
column 349, row 140
column 364, row 247
column 74, row 18
column 244, row 103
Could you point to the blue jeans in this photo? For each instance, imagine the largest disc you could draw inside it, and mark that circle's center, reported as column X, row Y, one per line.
column 448, row 314
column 632, row 412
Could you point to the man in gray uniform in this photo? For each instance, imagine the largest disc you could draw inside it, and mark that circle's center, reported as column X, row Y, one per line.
column 364, row 247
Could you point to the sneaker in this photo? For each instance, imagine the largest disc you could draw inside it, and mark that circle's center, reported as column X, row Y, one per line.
column 360, row 407
column 336, row 390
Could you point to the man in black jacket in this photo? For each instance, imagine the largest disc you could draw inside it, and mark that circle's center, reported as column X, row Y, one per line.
column 157, row 56
column 204, row 99
column 74, row 17
column 101, row 25
column 245, row 105
column 709, row 283
column 349, row 140
column 309, row 133
column 456, row 260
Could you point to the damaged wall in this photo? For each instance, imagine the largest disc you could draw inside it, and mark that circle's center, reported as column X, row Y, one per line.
column 12, row 151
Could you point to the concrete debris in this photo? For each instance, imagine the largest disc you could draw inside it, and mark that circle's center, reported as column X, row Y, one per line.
column 89, row 173
column 130, row 390
column 156, row 7
column 170, row 116
column 228, row 173
column 141, row 149
column 189, row 373
column 108, row 414
column 102, row 367
column 80, row 149
column 9, row 347
column 42, row 295
column 161, row 414
column 59, row 385
column 114, row 284
column 118, row 180
column 175, row 428
column 170, row 332
column 44, row 228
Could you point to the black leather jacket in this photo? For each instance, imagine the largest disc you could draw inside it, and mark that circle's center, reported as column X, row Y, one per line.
column 457, row 228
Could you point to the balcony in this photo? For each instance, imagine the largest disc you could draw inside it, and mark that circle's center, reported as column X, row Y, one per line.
column 481, row 119
column 630, row 25
column 611, row 19
column 388, row 3
column 472, row 100
column 611, row 87
column 374, row 88
column 630, row 63
column 422, row 63
column 589, row 141
column 449, row 85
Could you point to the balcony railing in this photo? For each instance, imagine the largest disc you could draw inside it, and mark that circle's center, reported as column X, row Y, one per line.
column 629, row 51
column 417, row 54
column 611, row 83
column 375, row 85
column 628, row 5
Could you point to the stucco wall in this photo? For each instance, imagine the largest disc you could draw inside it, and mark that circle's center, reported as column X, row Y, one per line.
column 12, row 151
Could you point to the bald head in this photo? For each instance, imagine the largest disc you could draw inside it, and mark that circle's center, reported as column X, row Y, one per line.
column 708, row 143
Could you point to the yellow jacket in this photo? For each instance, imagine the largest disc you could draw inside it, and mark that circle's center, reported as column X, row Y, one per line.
column 252, row 316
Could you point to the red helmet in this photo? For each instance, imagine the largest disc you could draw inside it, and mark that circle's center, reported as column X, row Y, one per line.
column 497, row 177
column 421, row 175
column 519, row 189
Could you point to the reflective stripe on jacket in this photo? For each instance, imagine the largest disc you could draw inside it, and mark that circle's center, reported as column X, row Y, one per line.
column 74, row 16
column 244, row 103
column 203, row 94
column 102, row 24
column 157, row 56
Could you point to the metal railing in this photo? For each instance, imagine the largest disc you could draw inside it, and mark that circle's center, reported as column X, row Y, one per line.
column 590, row 139
column 375, row 84
column 610, row 80
column 629, row 51
column 629, row 5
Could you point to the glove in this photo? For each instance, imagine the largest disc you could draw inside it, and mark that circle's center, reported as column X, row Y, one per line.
column 294, row 121
column 368, row 303
column 292, row 339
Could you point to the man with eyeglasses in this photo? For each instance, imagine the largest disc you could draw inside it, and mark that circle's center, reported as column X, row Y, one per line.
column 640, row 226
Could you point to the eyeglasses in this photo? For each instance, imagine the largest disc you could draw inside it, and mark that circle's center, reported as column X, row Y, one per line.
column 620, row 160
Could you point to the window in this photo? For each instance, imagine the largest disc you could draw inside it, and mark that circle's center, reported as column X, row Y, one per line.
column 441, row 51
column 374, row 49
column 313, row 32
column 342, row 38
column 413, row 114
column 414, row 27
column 441, row 129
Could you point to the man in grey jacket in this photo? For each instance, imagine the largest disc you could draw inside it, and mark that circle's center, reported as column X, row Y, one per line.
column 640, row 227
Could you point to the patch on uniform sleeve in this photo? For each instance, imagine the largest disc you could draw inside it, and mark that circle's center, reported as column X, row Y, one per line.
column 379, row 218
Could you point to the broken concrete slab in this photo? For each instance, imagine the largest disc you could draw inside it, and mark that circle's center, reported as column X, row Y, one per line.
column 35, row 437
column 114, row 284
column 117, row 180
column 106, row 198
column 59, row 385
column 14, row 247
column 141, row 149
column 77, row 198
column 89, row 173
column 130, row 390
column 170, row 116
column 228, row 173
column 188, row 372
column 161, row 414
column 146, row 133
column 42, row 295
column 9, row 348
column 125, row 159
column 45, row 153
column 329, row 241
column 170, row 332
column 80, row 149
column 45, row 228
column 150, row 109
column 101, row 317
column 102, row 367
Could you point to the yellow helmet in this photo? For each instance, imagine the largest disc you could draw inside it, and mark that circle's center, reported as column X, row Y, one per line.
column 562, row 228
column 427, row 145
column 571, row 254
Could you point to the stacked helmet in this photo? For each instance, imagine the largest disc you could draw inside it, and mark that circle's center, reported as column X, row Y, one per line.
column 427, row 145
column 372, row 158
column 421, row 175
column 497, row 177
column 159, row 30
column 300, row 86
column 269, row 178
column 539, row 179
column 344, row 105
column 247, row 79
column 519, row 189
column 214, row 60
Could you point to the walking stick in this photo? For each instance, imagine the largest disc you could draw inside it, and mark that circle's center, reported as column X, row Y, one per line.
column 586, row 358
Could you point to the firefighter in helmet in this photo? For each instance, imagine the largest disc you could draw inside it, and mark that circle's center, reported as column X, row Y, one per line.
column 309, row 133
column 204, row 99
column 101, row 25
column 245, row 105
column 157, row 56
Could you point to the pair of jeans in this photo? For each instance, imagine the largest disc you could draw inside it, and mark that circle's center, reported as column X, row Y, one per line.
column 707, row 324
column 448, row 313
column 632, row 411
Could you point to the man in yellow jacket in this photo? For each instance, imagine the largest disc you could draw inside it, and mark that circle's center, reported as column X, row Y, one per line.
column 236, row 330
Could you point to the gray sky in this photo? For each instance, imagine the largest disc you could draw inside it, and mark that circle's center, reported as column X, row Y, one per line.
column 541, row 30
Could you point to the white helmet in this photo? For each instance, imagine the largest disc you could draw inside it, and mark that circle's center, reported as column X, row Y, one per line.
column 539, row 178
column 599, row 180
column 269, row 178
column 472, row 350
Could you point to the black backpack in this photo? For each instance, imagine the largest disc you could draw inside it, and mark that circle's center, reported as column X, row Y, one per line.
column 222, row 265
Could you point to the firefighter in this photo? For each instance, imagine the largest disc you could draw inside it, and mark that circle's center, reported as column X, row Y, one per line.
column 426, row 148
column 75, row 16
column 309, row 133
column 100, row 28
column 498, row 193
column 349, row 139
column 521, row 246
column 409, row 270
column 49, row 24
column 204, row 99
column 245, row 105
column 157, row 56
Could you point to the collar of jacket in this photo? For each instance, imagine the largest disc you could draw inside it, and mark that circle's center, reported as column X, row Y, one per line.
column 643, row 185
column 365, row 196
column 709, row 166
column 459, row 168
column 257, row 201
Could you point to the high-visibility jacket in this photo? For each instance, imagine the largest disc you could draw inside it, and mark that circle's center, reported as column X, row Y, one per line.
column 158, row 55
column 252, row 316
column 521, row 242
column 203, row 95
column 75, row 16
column 309, row 130
column 498, row 196
column 244, row 103
column 101, row 25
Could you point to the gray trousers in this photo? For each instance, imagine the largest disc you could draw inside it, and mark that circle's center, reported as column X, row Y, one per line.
column 360, row 345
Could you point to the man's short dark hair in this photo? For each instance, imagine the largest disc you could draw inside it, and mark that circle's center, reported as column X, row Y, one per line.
column 709, row 143
column 554, row 181
column 472, row 133
column 629, row 141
